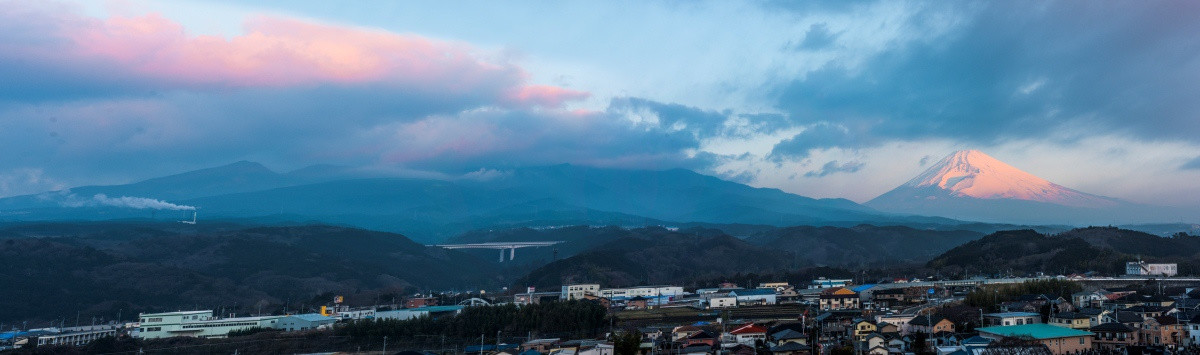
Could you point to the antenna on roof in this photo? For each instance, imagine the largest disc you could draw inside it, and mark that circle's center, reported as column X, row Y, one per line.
column 193, row 221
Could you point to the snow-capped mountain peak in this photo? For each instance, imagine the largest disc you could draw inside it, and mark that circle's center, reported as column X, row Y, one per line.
column 971, row 173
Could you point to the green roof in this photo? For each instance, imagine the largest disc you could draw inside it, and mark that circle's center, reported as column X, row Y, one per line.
column 1036, row 331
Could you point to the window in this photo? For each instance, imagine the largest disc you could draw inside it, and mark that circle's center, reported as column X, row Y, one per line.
column 1081, row 340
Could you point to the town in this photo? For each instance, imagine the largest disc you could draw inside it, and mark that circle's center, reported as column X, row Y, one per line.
column 1153, row 312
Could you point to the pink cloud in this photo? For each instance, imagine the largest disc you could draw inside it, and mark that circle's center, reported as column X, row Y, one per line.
column 279, row 52
column 544, row 95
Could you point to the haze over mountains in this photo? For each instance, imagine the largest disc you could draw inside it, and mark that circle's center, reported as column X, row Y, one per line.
column 966, row 186
column 434, row 209
column 971, row 185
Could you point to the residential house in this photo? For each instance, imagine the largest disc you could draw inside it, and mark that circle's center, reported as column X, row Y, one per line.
column 1089, row 299
column 1060, row 340
column 749, row 334
column 1113, row 336
column 889, row 297
column 1131, row 319
column 1193, row 331
column 702, row 337
column 1095, row 315
column 790, row 348
column 1162, row 331
column 860, row 328
column 1071, row 320
column 930, row 324
column 875, row 344
column 900, row 320
column 1011, row 318
column 839, row 298
column 1149, row 311
column 788, row 336
column 682, row 332
column 638, row 302
column 886, row 328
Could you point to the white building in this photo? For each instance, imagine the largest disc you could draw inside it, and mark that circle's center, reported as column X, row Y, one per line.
column 829, row 283
column 307, row 321
column 643, row 291
column 1141, row 268
column 577, row 291
column 722, row 302
column 200, row 324
column 74, row 337
column 758, row 296
column 410, row 313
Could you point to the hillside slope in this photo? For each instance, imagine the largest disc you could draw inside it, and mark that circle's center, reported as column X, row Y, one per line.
column 142, row 268
column 1100, row 249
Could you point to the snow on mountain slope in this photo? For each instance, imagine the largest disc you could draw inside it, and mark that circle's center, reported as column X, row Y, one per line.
column 971, row 173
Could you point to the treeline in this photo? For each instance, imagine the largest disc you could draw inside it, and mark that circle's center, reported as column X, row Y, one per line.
column 576, row 319
column 990, row 296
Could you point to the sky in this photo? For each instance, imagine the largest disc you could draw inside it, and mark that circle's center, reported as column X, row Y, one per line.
column 824, row 99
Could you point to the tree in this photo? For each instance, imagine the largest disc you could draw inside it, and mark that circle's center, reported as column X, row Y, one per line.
column 627, row 342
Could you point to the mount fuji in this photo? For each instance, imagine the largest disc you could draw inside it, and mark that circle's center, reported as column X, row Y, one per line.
column 971, row 185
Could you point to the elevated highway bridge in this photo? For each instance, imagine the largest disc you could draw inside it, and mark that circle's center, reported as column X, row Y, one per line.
column 502, row 246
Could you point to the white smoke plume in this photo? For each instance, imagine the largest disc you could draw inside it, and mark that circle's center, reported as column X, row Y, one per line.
column 125, row 201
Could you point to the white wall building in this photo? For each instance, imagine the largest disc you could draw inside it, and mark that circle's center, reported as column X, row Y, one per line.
column 577, row 291
column 1141, row 268
column 200, row 324
column 829, row 283
column 722, row 302
column 77, row 337
column 643, row 291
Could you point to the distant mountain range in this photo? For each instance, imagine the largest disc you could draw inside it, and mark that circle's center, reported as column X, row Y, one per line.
column 967, row 186
column 430, row 210
column 971, row 185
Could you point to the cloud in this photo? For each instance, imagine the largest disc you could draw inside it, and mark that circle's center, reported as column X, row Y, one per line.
column 79, row 54
column 817, row 37
column 1193, row 164
column 833, row 167
column 140, row 203
column 1018, row 69
column 820, row 135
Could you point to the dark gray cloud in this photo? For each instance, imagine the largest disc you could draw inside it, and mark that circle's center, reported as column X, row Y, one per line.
column 821, row 135
column 833, row 167
column 1023, row 69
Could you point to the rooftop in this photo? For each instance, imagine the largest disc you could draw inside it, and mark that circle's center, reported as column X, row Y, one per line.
column 177, row 313
column 1036, row 331
column 1011, row 314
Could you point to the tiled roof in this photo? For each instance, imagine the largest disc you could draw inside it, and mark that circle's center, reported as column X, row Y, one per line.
column 1112, row 327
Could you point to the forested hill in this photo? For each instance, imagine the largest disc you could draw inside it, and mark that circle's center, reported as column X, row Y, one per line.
column 863, row 245
column 131, row 268
column 1101, row 249
column 660, row 256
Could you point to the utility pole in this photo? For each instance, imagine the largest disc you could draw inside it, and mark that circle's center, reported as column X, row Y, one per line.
column 385, row 345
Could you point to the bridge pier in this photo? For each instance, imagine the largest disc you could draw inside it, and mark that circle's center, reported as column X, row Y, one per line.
column 512, row 254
